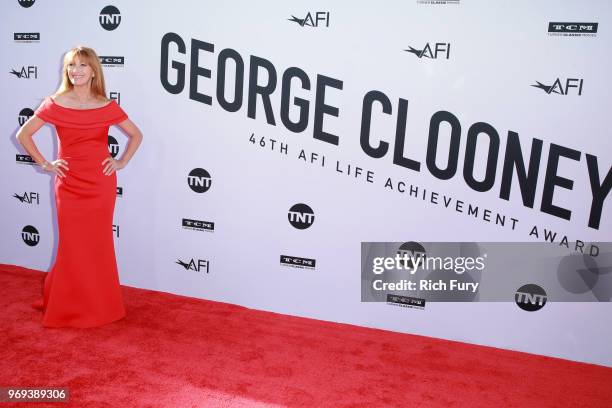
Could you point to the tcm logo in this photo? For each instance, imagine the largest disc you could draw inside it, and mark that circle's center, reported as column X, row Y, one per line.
column 198, row 225
column 109, row 61
column 439, row 50
column 199, row 180
column 405, row 301
column 113, row 146
column 301, row 216
column 24, row 115
column 573, row 29
column 116, row 230
column 320, row 19
column 199, row 265
column 26, row 3
column 573, row 85
column 28, row 197
column 530, row 297
column 30, row 235
column 26, row 37
column 438, row 1
column 25, row 72
column 110, row 17
column 411, row 250
column 24, row 159
column 298, row 262
column 115, row 96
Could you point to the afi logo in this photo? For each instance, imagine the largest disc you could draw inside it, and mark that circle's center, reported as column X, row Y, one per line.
column 199, row 180
column 24, row 115
column 110, row 17
column 26, row 72
column 116, row 230
column 320, row 17
column 558, row 88
column 301, row 216
column 29, row 198
column 119, row 191
column 200, row 265
column 115, row 96
column 439, row 49
column 113, row 146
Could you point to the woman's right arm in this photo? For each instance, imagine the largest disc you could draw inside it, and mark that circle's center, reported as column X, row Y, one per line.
column 24, row 137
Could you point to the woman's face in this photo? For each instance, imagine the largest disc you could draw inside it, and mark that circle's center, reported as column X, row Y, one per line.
column 79, row 72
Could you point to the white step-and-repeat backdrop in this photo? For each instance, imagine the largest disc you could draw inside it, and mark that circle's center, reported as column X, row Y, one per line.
column 280, row 135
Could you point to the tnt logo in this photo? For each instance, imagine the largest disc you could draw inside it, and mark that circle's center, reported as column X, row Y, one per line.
column 195, row 265
column 301, row 216
column 24, row 115
column 530, row 297
column 115, row 96
column 110, row 17
column 26, row 72
column 410, row 250
column 28, row 198
column 320, row 19
column 113, row 146
column 573, row 85
column 26, row 3
column 30, row 235
column 199, row 180
column 116, row 230
column 438, row 50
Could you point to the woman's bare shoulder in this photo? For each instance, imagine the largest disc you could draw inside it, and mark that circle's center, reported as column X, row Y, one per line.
column 59, row 98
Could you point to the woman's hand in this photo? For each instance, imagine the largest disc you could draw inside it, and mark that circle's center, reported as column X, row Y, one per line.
column 112, row 165
column 56, row 166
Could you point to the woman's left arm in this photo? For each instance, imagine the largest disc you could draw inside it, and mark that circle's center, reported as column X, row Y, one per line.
column 135, row 136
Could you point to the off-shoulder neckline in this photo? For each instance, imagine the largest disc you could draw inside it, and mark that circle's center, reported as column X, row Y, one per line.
column 75, row 109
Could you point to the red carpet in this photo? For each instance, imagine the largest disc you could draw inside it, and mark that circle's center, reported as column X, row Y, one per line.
column 174, row 351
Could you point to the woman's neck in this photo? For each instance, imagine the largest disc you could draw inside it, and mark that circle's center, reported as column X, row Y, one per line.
column 82, row 93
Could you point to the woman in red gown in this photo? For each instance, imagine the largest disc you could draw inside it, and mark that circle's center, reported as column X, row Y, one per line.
column 82, row 288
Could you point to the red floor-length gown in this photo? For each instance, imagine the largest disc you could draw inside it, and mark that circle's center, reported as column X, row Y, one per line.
column 82, row 287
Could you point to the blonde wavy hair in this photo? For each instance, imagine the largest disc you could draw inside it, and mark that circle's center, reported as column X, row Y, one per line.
column 90, row 57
